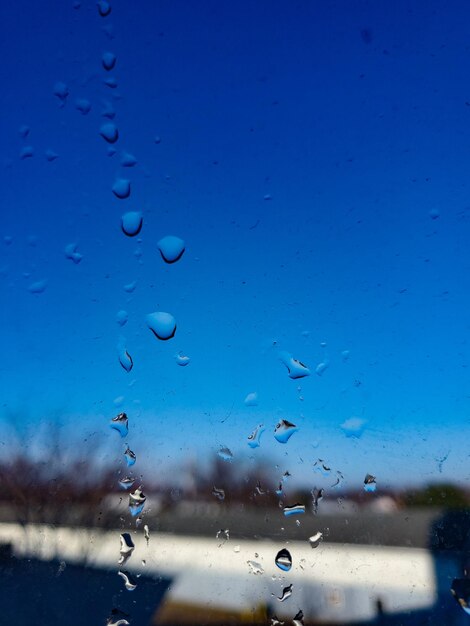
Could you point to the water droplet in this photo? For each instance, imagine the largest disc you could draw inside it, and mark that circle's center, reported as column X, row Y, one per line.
column 182, row 360
column 279, row 490
column 137, row 502
column 315, row 540
column 127, row 548
column 109, row 132
column 104, row 8
column 345, row 355
column 255, row 437
column 370, row 483
column 51, row 155
column 146, row 534
column 171, row 248
column 163, row 325
column 24, row 131
column 321, row 467
column 353, row 427
column 72, row 254
column 130, row 287
column 339, row 478
column 121, row 424
column 321, row 367
column 317, row 495
column 122, row 317
column 144, row 562
column 255, row 567
column 129, row 582
column 225, row 534
column 131, row 223
column 83, row 105
column 127, row 482
column 275, row 622
column 38, row 286
column 125, row 360
column 111, row 82
column 298, row 619
column 117, row 618
column 108, row 60
column 61, row 568
column 284, row 431
column 225, row 453
column 108, row 110
column 460, row 589
column 26, row 153
column 283, row 560
column 61, row 91
column 236, row 549
column 218, row 493
column 122, row 188
column 434, row 214
column 295, row 369
column 294, row 509
column 128, row 159
column 286, row 593
column 251, row 399
column 130, row 457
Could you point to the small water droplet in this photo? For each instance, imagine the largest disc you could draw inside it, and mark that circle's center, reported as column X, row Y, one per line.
column 279, row 490
column 109, row 132
column 251, row 399
column 129, row 583
column 51, row 155
column 26, row 153
column 353, row 427
column 61, row 91
column 255, row 567
column 171, row 248
column 274, row 620
column 286, row 593
column 315, row 540
column 283, row 560
column 130, row 287
column 284, row 431
column 117, row 618
column 345, row 355
column 83, row 105
column 127, row 548
column 218, row 493
column 255, row 437
column 294, row 509
column 122, row 317
column 163, row 325
column 321, row 467
column 370, row 483
column 182, row 359
column 125, row 360
column 108, row 110
column 61, row 568
column 72, row 254
column 434, row 214
column 122, row 188
column 104, row 8
column 460, row 589
column 121, row 424
column 137, row 502
column 321, row 367
column 24, row 131
column 144, row 562
column 127, row 482
column 131, row 223
column 146, row 534
column 298, row 619
column 110, row 82
column 317, row 495
column 128, row 159
column 225, row 453
column 108, row 60
column 236, row 549
column 224, row 534
column 295, row 369
column 130, row 457
column 38, row 286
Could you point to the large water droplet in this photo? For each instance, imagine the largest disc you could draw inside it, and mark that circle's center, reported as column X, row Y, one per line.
column 61, row 91
column 317, row 495
column 251, row 399
column 83, row 105
column 321, row 467
column 171, row 248
column 294, row 509
column 370, row 483
column 163, row 325
column 298, row 619
column 460, row 589
column 72, row 254
column 218, row 493
column 295, row 369
column 122, row 317
column 129, row 583
column 125, row 360
column 26, row 153
column 130, row 457
column 315, row 540
column 117, row 618
column 182, row 359
column 284, row 431
column 104, row 8
column 109, row 132
column 225, row 453
column 283, row 560
column 126, row 482
column 137, row 502
column 255, row 568
column 127, row 548
column 122, row 188
column 286, row 593
column 121, row 424
column 108, row 60
column 131, row 223
column 128, row 159
column 38, row 287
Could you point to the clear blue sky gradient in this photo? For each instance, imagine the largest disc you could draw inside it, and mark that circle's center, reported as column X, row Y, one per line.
column 359, row 140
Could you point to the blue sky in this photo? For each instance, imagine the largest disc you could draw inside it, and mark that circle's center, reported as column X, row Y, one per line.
column 313, row 156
